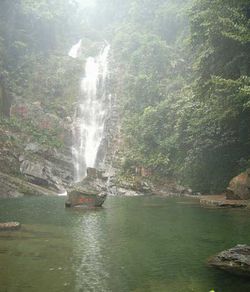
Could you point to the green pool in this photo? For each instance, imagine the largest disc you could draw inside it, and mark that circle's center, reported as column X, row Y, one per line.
column 132, row 244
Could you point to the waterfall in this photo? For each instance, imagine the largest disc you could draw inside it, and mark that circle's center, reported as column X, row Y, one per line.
column 91, row 111
column 75, row 50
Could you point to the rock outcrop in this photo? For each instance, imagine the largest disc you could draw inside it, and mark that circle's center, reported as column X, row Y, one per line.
column 239, row 187
column 117, row 191
column 14, row 187
column 49, row 168
column 35, row 152
column 235, row 260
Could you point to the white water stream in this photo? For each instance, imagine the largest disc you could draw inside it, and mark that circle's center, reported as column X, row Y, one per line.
column 91, row 112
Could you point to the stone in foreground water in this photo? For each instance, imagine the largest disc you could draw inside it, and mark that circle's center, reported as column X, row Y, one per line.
column 6, row 226
column 235, row 260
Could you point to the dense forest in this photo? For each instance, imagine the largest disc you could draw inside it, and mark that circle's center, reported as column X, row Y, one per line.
column 179, row 71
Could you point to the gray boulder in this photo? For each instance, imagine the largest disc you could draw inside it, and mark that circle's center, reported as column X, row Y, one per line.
column 235, row 260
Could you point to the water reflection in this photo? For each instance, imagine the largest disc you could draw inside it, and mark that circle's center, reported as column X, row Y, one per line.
column 89, row 258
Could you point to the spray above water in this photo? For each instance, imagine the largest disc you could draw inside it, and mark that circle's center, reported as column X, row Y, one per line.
column 91, row 112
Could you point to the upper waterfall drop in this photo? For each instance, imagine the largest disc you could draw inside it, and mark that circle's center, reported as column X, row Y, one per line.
column 75, row 50
column 91, row 112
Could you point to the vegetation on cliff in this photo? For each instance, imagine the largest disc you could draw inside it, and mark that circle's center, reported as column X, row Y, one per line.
column 184, row 81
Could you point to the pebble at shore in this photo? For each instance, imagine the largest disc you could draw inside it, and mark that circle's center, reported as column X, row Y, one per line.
column 8, row 226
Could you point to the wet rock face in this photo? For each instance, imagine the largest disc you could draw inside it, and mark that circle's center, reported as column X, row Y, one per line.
column 42, row 167
column 239, row 187
column 116, row 191
column 40, row 174
column 93, row 173
column 14, row 187
column 235, row 260
column 37, row 164
column 35, row 171
column 46, row 167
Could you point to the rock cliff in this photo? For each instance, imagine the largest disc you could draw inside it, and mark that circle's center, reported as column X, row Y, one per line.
column 35, row 151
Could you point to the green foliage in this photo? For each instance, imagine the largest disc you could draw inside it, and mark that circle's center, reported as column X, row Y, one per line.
column 47, row 137
column 220, row 37
column 35, row 37
column 184, row 87
column 219, row 127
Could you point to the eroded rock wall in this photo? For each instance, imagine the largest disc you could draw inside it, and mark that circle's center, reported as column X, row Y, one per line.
column 35, row 148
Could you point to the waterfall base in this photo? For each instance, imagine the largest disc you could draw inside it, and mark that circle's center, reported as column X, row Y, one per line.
column 90, row 192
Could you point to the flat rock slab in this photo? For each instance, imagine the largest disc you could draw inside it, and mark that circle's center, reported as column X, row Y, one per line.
column 216, row 201
column 235, row 260
column 11, row 186
column 10, row 226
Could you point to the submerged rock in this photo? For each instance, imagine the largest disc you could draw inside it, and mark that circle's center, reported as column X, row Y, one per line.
column 7, row 226
column 239, row 187
column 235, row 260
column 220, row 201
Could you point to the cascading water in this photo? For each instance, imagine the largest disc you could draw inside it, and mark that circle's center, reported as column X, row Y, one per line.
column 91, row 112
column 75, row 51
